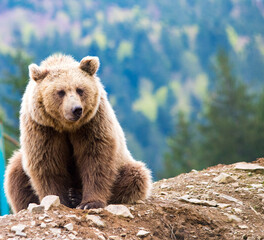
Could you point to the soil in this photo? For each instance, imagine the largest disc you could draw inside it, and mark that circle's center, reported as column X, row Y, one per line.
column 230, row 210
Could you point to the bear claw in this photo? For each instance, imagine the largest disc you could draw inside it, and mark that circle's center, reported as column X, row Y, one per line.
column 89, row 205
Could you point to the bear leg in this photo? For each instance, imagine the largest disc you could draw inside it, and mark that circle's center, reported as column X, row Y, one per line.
column 17, row 185
column 133, row 183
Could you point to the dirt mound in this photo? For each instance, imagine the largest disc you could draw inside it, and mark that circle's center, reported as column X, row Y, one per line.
column 221, row 202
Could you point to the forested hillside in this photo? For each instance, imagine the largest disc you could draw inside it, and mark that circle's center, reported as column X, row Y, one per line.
column 157, row 57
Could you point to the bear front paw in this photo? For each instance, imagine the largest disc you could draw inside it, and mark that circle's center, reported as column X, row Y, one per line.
column 89, row 205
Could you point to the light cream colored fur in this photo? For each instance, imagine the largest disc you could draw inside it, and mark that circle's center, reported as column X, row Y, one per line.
column 94, row 145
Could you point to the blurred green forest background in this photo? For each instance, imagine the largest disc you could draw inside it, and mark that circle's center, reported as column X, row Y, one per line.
column 184, row 77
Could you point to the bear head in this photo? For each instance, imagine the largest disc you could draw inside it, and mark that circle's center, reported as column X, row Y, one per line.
column 66, row 93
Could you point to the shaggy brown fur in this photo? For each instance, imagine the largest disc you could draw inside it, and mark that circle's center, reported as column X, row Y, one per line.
column 71, row 139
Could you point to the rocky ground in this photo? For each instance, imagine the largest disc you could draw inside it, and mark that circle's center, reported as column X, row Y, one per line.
column 221, row 202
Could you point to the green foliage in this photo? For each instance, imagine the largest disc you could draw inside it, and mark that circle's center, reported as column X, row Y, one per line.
column 16, row 81
column 230, row 129
column 182, row 147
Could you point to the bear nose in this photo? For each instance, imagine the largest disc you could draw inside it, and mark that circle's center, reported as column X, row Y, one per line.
column 77, row 111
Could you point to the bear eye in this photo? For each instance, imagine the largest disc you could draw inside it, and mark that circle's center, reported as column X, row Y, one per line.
column 79, row 91
column 61, row 93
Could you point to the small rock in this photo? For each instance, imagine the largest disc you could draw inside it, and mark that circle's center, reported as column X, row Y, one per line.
column 21, row 234
column 163, row 193
column 231, row 199
column 249, row 167
column 186, row 198
column 114, row 238
column 224, row 178
column 95, row 210
column 140, row 202
column 204, row 183
column 35, row 208
column 19, row 227
column 33, row 223
column 243, row 226
column 71, row 236
column 55, row 231
column 43, row 225
column 69, row 226
column 48, row 220
column 233, row 218
column 189, row 186
column 257, row 185
column 119, row 210
column 50, row 201
column 238, row 210
column 142, row 233
column 123, row 235
column 42, row 217
column 96, row 220
column 163, row 186
column 223, row 205
column 194, row 171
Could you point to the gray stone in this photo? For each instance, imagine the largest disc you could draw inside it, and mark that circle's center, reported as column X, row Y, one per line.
column 43, row 225
column 50, row 201
column 19, row 227
column 55, row 231
column 186, row 198
column 114, row 238
column 142, row 233
column 119, row 210
column 224, row 178
column 249, row 167
column 69, row 226
column 96, row 220
column 233, row 218
column 34, row 208
column 231, row 199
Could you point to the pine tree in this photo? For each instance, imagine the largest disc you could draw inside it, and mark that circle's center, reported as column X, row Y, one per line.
column 228, row 128
column 16, row 81
column 181, row 155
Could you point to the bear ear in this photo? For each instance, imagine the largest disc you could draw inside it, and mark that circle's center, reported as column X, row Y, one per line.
column 90, row 64
column 37, row 73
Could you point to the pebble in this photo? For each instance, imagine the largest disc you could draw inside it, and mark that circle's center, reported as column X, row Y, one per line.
column 238, row 210
column 233, row 218
column 142, row 233
column 95, row 210
column 243, row 226
column 186, row 198
column 55, row 231
column 224, row 178
column 96, row 220
column 35, row 208
column 43, row 225
column 50, row 201
column 18, row 229
column 69, row 226
column 229, row 198
column 114, row 238
column 223, row 205
column 71, row 236
column 257, row 185
column 119, row 210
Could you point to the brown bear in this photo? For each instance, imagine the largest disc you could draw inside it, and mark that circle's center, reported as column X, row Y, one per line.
column 71, row 140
